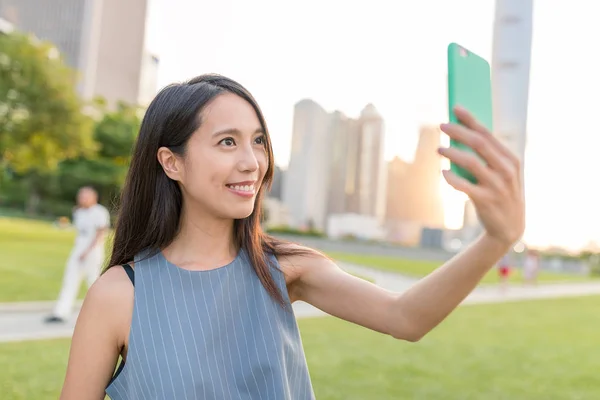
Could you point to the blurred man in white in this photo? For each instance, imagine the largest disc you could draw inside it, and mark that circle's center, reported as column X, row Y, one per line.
column 92, row 221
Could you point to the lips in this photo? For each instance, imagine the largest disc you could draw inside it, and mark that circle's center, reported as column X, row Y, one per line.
column 244, row 188
column 241, row 188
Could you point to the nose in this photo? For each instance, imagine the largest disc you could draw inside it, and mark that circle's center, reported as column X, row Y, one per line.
column 248, row 161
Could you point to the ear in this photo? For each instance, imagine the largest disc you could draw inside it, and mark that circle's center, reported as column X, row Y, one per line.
column 170, row 163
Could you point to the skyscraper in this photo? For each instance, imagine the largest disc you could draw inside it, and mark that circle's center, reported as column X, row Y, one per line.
column 148, row 78
column 336, row 166
column 306, row 185
column 398, row 207
column 471, row 226
column 371, row 173
column 276, row 186
column 342, row 163
column 511, row 60
column 102, row 39
column 414, row 193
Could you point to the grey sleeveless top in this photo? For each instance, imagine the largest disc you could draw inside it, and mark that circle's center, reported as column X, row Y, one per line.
column 210, row 335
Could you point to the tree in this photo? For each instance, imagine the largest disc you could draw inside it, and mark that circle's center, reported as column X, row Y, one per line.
column 41, row 119
column 114, row 134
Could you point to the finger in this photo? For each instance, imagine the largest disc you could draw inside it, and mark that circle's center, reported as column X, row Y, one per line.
column 483, row 147
column 473, row 191
column 469, row 161
column 469, row 120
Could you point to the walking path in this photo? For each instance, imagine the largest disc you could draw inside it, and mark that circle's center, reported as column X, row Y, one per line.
column 24, row 321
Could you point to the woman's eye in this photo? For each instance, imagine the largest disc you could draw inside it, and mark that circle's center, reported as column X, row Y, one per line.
column 260, row 140
column 228, row 142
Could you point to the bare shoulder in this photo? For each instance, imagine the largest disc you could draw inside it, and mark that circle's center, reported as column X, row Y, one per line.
column 296, row 256
column 99, row 336
column 110, row 300
column 112, row 286
column 298, row 261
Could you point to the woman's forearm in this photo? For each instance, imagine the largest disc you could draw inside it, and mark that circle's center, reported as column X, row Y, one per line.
column 428, row 302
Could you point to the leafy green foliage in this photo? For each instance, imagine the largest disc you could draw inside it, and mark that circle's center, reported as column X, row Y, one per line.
column 51, row 143
column 41, row 122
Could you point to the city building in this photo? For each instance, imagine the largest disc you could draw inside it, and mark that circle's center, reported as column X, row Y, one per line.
column 148, row 79
column 275, row 213
column 471, row 227
column 336, row 168
column 306, row 187
column 414, row 192
column 397, row 205
column 103, row 40
column 511, row 63
column 369, row 197
column 342, row 163
column 277, row 185
column 350, row 225
column 414, row 200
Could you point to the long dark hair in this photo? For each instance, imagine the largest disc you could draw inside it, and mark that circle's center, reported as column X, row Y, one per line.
column 150, row 205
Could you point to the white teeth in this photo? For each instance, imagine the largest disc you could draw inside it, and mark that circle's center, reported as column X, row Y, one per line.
column 243, row 188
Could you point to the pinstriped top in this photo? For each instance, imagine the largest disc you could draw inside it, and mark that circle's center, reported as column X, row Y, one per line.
column 213, row 334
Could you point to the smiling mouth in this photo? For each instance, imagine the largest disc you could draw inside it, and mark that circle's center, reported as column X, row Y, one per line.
column 241, row 188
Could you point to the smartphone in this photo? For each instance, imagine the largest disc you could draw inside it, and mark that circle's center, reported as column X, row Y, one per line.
column 469, row 86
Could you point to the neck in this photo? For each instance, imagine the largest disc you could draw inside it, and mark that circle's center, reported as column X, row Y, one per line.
column 203, row 241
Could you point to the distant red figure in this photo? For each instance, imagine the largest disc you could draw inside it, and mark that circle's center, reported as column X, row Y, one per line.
column 504, row 270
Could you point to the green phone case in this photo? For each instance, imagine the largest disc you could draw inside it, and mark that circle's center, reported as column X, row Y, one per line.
column 469, row 86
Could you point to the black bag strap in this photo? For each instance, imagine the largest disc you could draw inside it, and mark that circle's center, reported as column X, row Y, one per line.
column 130, row 273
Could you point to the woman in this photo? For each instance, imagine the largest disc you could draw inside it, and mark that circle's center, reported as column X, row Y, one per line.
column 197, row 300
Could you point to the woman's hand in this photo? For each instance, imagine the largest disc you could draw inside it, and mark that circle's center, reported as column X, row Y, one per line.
column 498, row 194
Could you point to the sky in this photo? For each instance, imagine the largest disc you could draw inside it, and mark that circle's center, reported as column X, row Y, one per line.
column 346, row 54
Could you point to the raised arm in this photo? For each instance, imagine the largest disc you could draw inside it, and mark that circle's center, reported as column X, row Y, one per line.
column 498, row 198
column 99, row 336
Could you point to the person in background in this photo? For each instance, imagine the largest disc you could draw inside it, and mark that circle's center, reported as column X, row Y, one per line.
column 531, row 267
column 504, row 271
column 91, row 220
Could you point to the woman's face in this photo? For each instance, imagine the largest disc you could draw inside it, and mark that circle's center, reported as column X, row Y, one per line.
column 225, row 160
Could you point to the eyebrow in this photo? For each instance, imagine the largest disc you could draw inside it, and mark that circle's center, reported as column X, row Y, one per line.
column 236, row 132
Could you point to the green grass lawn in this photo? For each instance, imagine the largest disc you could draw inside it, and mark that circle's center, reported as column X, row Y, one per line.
column 538, row 350
column 34, row 255
column 33, row 259
column 419, row 268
